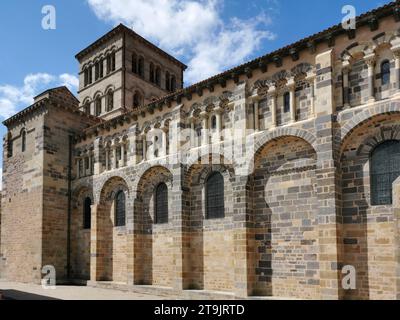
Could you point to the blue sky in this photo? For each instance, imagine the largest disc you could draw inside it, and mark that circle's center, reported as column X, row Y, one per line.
column 208, row 35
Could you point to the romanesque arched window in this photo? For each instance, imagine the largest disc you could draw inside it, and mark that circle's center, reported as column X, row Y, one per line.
column 86, row 108
column 385, row 72
column 141, row 67
column 87, row 213
column 86, row 77
column 385, row 169
column 98, row 106
column 120, row 209
column 101, row 63
column 173, row 83
column 110, row 100
column 286, row 102
column 134, row 63
column 151, row 75
column 161, row 204
column 167, row 82
column 213, row 122
column 23, row 140
column 158, row 76
column 90, row 75
column 215, row 203
column 113, row 61
column 137, row 100
column 96, row 71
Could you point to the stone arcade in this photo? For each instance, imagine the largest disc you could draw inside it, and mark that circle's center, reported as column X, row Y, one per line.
column 124, row 187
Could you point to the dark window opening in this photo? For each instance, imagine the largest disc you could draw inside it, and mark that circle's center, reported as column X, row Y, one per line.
column 23, row 142
column 385, row 169
column 385, row 72
column 161, row 205
column 215, row 196
column 286, row 102
column 87, row 213
column 120, row 209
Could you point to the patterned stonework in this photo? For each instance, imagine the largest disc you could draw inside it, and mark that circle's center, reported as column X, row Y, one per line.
column 292, row 138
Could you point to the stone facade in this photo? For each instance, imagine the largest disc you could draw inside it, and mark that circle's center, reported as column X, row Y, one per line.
column 291, row 134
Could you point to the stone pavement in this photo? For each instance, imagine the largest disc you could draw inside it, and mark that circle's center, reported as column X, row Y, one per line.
column 20, row 291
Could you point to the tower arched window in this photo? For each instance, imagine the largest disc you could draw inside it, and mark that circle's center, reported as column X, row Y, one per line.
column 134, row 63
column 151, row 75
column 385, row 72
column 158, row 76
column 87, row 213
column 90, row 75
column 110, row 100
column 173, row 83
column 96, row 71
column 101, row 63
column 23, row 140
column 86, row 108
column 286, row 102
column 161, row 205
column 137, row 100
column 113, row 61
column 385, row 169
column 86, row 77
column 141, row 67
column 167, row 81
column 98, row 106
column 215, row 202
column 120, row 209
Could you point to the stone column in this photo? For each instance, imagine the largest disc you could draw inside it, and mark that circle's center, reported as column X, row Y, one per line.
column 396, row 209
column 292, row 87
column 107, row 158
column 164, row 141
column 205, row 138
column 123, row 148
column 132, row 156
column 192, row 132
column 243, row 244
column 95, row 263
column 218, row 115
column 272, row 97
column 327, row 182
column 345, row 76
column 180, row 233
column 396, row 53
column 115, row 156
column 144, row 147
column 96, row 156
column 256, row 126
column 370, row 61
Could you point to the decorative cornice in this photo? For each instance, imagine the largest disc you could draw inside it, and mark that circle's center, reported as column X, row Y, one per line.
column 310, row 43
column 122, row 29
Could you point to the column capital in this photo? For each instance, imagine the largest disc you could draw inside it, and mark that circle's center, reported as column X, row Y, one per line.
column 219, row 110
column 370, row 59
column 291, row 83
column 272, row 91
column 204, row 115
column 396, row 52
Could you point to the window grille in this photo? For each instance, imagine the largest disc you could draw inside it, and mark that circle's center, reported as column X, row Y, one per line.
column 385, row 169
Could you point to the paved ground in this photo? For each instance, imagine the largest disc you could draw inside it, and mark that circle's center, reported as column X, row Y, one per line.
column 18, row 291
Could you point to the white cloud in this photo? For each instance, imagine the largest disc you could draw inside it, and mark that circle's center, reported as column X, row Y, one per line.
column 13, row 98
column 191, row 28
